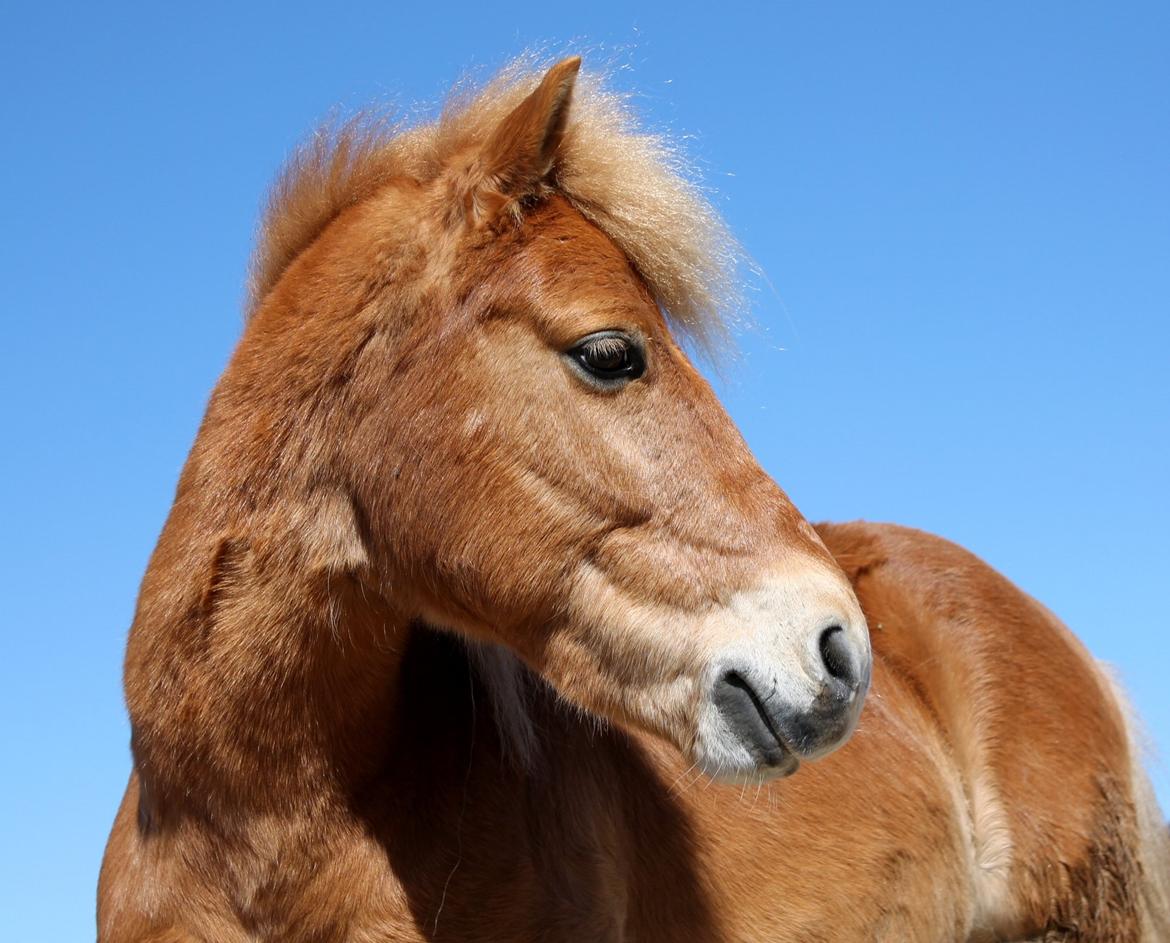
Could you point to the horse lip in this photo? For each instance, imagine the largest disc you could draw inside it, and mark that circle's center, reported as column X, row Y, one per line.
column 748, row 719
column 788, row 765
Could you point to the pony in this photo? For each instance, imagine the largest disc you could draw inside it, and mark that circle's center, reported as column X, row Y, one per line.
column 474, row 618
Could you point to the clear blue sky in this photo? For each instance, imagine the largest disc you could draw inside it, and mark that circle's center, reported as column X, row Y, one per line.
column 963, row 214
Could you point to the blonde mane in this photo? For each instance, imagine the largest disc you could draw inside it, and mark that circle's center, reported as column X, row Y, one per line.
column 634, row 185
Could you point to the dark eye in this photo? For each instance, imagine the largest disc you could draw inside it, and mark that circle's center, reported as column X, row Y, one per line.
column 609, row 356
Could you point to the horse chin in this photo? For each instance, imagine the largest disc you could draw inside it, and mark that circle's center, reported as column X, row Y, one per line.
column 752, row 774
column 727, row 759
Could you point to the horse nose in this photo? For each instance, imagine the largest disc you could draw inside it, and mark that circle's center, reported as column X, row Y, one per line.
column 783, row 710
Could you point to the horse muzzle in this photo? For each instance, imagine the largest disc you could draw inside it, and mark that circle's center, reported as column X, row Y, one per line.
column 791, row 690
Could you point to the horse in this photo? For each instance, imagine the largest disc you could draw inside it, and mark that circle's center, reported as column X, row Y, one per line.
column 474, row 618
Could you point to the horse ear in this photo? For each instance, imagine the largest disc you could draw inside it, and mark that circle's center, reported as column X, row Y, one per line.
column 522, row 150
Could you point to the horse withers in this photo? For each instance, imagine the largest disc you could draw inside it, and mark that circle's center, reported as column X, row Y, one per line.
column 475, row 618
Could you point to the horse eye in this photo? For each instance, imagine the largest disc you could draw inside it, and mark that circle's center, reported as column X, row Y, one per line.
column 609, row 355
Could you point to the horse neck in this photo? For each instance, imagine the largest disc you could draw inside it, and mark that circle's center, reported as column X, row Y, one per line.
column 255, row 682
column 275, row 707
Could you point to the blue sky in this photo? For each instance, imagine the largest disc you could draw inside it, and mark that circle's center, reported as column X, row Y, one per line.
column 963, row 215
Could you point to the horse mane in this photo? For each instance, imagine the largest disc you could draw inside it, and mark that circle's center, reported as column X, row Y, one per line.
column 636, row 186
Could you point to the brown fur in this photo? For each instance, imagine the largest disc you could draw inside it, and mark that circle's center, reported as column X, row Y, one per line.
column 398, row 444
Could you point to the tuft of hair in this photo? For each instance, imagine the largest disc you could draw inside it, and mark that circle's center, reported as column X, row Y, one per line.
column 509, row 684
column 635, row 185
column 1153, row 832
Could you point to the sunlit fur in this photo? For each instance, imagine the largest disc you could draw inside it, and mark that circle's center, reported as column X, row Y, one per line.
column 425, row 648
column 633, row 184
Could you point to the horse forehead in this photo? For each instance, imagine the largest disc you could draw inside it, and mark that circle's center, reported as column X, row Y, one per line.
column 574, row 258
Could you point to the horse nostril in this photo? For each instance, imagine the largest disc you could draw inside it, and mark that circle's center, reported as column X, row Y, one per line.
column 836, row 655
